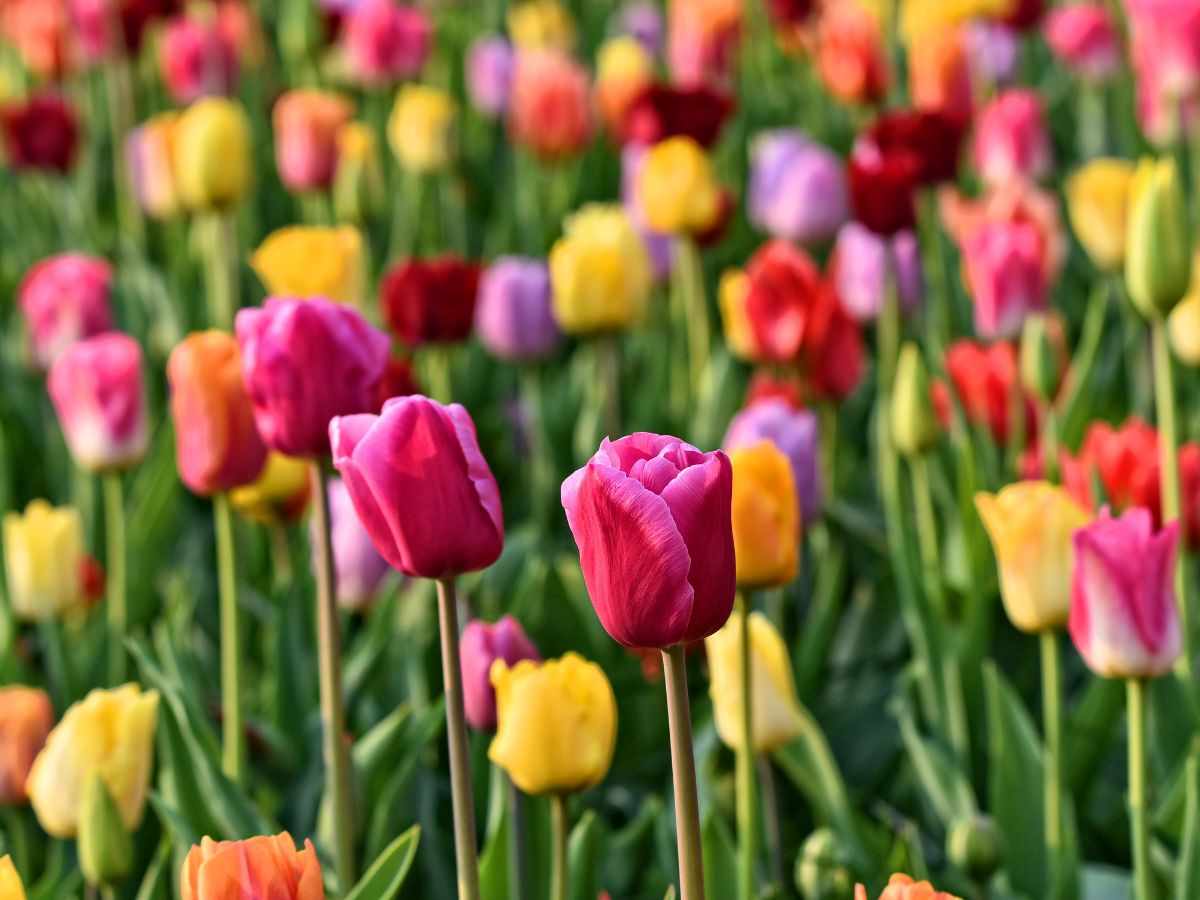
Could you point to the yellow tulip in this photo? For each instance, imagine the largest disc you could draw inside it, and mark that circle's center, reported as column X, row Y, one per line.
column 731, row 296
column 1031, row 524
column 556, row 724
column 109, row 733
column 421, row 128
column 11, row 887
column 278, row 496
column 919, row 18
column 358, row 185
column 1183, row 327
column 43, row 552
column 541, row 25
column 1158, row 255
column 1098, row 205
column 311, row 261
column 766, row 516
column 212, row 154
column 623, row 67
column 676, row 188
column 776, row 717
column 600, row 271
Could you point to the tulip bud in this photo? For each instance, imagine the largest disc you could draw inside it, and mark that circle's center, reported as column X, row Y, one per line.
column 11, row 887
column 822, row 871
column 1158, row 261
column 105, row 845
column 1040, row 360
column 914, row 425
column 974, row 845
column 212, row 154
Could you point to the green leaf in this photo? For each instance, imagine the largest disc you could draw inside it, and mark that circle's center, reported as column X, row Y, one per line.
column 584, row 850
column 157, row 880
column 1187, row 882
column 720, row 859
column 386, row 875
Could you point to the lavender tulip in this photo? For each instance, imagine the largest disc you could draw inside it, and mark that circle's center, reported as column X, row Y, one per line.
column 514, row 317
column 797, row 188
column 796, row 433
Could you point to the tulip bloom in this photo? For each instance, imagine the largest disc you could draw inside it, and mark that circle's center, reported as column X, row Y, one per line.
column 11, row 887
column 26, row 718
column 44, row 557
column 702, row 40
column 902, row 887
column 217, row 446
column 677, row 189
column 851, row 56
column 385, row 42
column 421, row 128
column 1098, row 204
column 40, row 133
column 776, row 716
column 260, row 866
column 864, row 263
column 96, row 386
column 623, row 68
column 1084, row 37
column 480, row 646
column 557, row 724
column 421, row 486
column 358, row 568
column 1158, row 259
column 1011, row 138
column 305, row 362
column 109, row 733
column 430, row 300
column 932, row 138
column 939, row 76
column 212, row 154
column 652, row 518
column 65, row 298
column 796, row 433
column 882, row 187
column 661, row 111
column 541, row 25
column 197, row 59
column 766, row 516
column 489, row 73
column 149, row 154
column 1124, row 620
column 642, row 21
column 312, row 261
column 278, row 496
column 983, row 377
column 549, row 111
column 1005, row 274
column 514, row 316
column 732, row 292
column 1032, row 524
column 306, row 124
column 797, row 188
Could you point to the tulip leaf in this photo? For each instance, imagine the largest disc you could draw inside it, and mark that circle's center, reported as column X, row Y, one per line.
column 387, row 874
column 157, row 880
column 1187, row 882
column 584, row 851
column 720, row 858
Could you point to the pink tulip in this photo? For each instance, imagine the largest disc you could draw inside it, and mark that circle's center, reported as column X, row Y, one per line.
column 385, row 42
column 1166, row 44
column 1005, row 273
column 421, row 486
column 96, row 386
column 305, row 362
column 358, row 568
column 1084, row 38
column 1011, row 140
column 65, row 298
column 307, row 123
column 197, row 59
column 481, row 645
column 1124, row 620
column 652, row 518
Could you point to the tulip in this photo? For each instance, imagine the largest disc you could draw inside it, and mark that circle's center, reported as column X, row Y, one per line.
column 212, row 154
column 796, row 433
column 661, row 111
column 41, row 36
column 1125, row 460
column 823, row 867
column 1041, row 365
column 94, row 24
column 702, row 43
column 514, row 316
column 994, row 52
column 864, row 264
column 549, row 111
column 109, row 733
column 26, row 718
column 279, row 495
column 1032, row 524
column 1011, row 203
column 489, row 73
column 851, row 56
column 421, row 486
column 920, row 17
column 642, row 21
column 96, row 386
column 599, row 271
column 430, row 300
column 901, row 887
column 659, row 570
column 1165, row 45
column 360, row 570
column 939, row 76
column 197, row 59
column 307, row 123
column 65, row 298
column 1005, row 273
column 149, row 154
column 104, row 845
column 43, row 556
column 294, row 398
column 797, row 188
column 775, row 710
column 1158, row 255
column 930, row 137
column 385, row 42
column 1098, row 198
column 914, row 425
column 1183, row 328
column 677, row 189
column 1084, row 37
column 557, row 724
column 541, row 25
column 260, row 866
column 623, row 68
column 882, row 187
column 421, row 128
column 732, row 292
column 11, row 887
column 481, row 646
column 40, row 133
column 766, row 516
column 983, row 378
column 313, row 261
column 1011, row 139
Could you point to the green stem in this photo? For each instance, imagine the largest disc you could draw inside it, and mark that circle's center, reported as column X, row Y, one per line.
column 1050, row 444
column 518, row 859
column 119, row 90
column 456, row 731
column 747, row 786
column 927, row 538
column 1139, row 814
column 281, row 555
column 329, row 666
column 220, row 269
column 233, row 755
column 937, row 311
column 58, row 664
column 558, row 856
column 437, row 372
column 608, row 364
column 772, row 831
column 1053, row 728
column 683, row 771
column 689, row 271
column 1084, row 359
column 541, row 467
column 118, row 616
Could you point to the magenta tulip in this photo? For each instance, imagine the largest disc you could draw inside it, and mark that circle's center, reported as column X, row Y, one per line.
column 305, row 362
column 652, row 518
column 65, row 298
column 1004, row 264
column 421, row 486
column 481, row 645
column 1124, row 620
column 96, row 386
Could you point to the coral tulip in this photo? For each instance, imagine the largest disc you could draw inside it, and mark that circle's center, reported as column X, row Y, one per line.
column 260, row 866
column 65, row 298
column 26, row 718
column 306, row 124
column 549, row 109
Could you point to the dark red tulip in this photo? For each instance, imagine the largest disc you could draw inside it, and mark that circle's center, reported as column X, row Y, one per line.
column 430, row 300
column 883, row 186
column 660, row 111
column 41, row 133
column 399, row 380
column 791, row 12
column 933, row 136
column 1025, row 14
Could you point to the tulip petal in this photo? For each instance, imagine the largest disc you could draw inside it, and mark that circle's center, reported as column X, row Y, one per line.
column 477, row 467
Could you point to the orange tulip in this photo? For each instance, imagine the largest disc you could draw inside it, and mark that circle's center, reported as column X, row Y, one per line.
column 851, row 57
column 939, row 76
column 902, row 887
column 26, row 718
column 256, row 867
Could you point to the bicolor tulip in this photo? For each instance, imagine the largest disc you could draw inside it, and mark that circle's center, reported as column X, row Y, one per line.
column 1011, row 138
column 480, row 646
column 427, row 301
column 677, row 190
column 40, row 133
column 64, row 298
column 556, row 724
column 490, row 64
column 262, row 866
column 98, row 393
column 385, row 41
column 212, row 154
column 864, row 264
column 1084, row 38
column 623, row 68
column 312, row 261
column 421, row 486
column 26, row 718
column 358, row 568
column 150, row 156
column 652, row 517
column 514, row 315
column 421, row 128
column 549, row 108
column 307, row 122
column 797, row 188
column 109, row 733
column 1098, row 197
column 44, row 558
column 280, row 493
column 766, row 516
column 796, row 433
column 1158, row 254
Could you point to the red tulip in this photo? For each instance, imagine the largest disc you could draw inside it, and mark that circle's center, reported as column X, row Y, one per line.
column 549, row 105
column 933, row 136
column 399, row 380
column 41, row 133
column 660, row 111
column 430, row 300
column 984, row 378
column 882, row 186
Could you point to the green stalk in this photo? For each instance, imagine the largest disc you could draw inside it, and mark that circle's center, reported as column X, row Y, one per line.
column 518, row 859
column 461, row 792
column 558, row 843
column 1053, row 728
column 281, row 555
column 683, row 772
column 1139, row 813
column 220, row 272
column 541, row 467
column 689, row 271
column 119, row 90
column 233, row 754
column 608, row 376
column 1050, row 444
column 329, row 669
column 115, row 602
column 747, row 786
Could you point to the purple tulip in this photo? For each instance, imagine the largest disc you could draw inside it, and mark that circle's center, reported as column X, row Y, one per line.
column 514, row 317
column 358, row 568
column 993, row 51
column 305, row 362
column 863, row 261
column 489, row 69
column 1124, row 620
column 796, row 433
column 481, row 645
column 652, row 518
column 797, row 188
column 421, row 486
column 643, row 22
